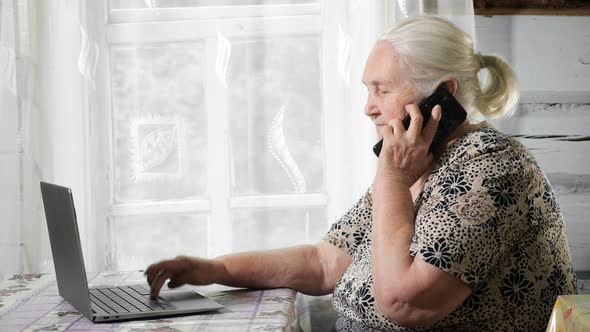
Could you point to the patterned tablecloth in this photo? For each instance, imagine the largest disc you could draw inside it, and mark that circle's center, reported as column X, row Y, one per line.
column 31, row 303
column 571, row 313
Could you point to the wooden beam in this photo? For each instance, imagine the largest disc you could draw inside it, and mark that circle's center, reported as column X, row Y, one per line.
column 579, row 11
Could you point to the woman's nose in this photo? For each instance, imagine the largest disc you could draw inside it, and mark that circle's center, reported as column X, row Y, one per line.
column 371, row 108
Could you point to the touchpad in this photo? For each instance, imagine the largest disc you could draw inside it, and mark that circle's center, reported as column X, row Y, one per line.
column 189, row 300
column 180, row 295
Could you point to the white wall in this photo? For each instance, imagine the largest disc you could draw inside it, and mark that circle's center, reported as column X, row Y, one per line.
column 551, row 57
column 550, row 54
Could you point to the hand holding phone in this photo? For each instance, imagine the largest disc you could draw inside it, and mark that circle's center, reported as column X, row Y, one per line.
column 452, row 116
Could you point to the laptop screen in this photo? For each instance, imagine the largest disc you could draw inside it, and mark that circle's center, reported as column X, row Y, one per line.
column 65, row 246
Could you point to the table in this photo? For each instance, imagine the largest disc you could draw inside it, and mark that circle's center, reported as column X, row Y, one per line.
column 31, row 302
column 571, row 313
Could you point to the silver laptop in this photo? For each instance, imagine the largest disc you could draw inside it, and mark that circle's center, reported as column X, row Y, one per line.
column 103, row 304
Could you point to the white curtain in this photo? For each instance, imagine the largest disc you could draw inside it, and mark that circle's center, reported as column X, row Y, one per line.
column 9, row 236
column 460, row 12
column 193, row 127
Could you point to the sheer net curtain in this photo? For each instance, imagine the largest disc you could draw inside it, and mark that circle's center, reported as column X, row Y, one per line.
column 193, row 127
column 47, row 124
column 9, row 235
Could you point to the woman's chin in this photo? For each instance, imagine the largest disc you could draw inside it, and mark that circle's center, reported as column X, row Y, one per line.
column 378, row 132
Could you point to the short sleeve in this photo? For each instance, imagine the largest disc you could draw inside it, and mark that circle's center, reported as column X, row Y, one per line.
column 470, row 216
column 349, row 231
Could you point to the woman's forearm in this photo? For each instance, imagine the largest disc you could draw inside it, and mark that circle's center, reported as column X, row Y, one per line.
column 393, row 228
column 297, row 267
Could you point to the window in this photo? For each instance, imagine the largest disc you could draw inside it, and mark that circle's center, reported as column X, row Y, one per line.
column 217, row 127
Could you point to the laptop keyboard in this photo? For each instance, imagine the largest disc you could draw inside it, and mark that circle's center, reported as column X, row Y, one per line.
column 125, row 299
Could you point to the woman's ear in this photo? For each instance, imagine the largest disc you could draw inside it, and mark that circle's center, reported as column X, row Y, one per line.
column 452, row 86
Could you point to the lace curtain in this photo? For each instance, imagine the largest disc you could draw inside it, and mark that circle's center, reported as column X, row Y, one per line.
column 186, row 126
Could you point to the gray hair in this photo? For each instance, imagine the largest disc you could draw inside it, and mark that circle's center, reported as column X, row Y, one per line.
column 432, row 50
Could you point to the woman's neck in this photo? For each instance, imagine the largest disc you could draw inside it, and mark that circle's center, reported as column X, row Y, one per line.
column 457, row 133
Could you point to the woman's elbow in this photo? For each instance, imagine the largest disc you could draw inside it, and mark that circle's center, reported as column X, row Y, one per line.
column 401, row 312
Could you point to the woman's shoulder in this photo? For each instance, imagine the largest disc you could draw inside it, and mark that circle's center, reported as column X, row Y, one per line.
column 484, row 141
column 483, row 153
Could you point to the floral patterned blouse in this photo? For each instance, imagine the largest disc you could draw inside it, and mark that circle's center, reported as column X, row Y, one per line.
column 488, row 216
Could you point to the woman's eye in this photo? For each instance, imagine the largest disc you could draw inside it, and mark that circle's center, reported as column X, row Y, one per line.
column 383, row 92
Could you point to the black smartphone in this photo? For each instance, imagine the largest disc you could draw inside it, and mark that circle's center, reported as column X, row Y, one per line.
column 452, row 115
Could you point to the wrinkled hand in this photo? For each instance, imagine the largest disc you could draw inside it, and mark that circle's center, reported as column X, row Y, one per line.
column 404, row 156
column 182, row 270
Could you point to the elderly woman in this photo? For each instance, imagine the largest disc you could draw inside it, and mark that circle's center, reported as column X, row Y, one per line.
column 466, row 238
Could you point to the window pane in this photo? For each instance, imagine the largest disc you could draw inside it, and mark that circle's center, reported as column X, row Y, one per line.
column 159, row 122
column 275, row 112
column 255, row 229
column 126, row 4
column 143, row 240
